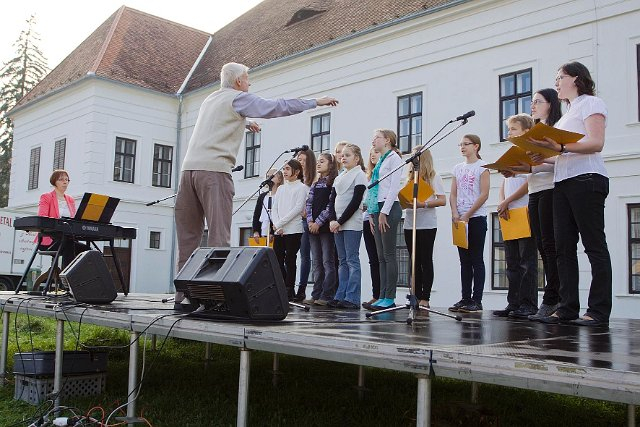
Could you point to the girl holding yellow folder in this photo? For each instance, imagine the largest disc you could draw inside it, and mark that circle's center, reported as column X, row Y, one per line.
column 426, row 227
column 469, row 193
column 581, row 188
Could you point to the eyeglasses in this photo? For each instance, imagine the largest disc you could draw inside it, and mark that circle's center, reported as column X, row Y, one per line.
column 538, row 101
column 64, row 179
column 558, row 78
column 464, row 144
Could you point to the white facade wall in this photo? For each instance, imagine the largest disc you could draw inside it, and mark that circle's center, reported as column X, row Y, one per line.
column 454, row 57
column 90, row 115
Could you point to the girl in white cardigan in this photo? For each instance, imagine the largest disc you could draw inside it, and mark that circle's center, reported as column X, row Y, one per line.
column 287, row 208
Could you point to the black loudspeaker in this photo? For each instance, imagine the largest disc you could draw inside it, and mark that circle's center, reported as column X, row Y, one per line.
column 233, row 283
column 89, row 280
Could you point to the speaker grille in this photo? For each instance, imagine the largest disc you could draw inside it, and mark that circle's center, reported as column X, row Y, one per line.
column 203, row 291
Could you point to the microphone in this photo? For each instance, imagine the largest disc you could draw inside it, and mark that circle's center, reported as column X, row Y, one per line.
column 237, row 168
column 296, row 149
column 465, row 116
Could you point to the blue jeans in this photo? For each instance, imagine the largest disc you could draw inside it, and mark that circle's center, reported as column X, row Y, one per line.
column 324, row 266
column 472, row 260
column 348, row 246
column 305, row 255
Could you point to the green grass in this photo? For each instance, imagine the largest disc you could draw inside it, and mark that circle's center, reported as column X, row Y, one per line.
column 179, row 390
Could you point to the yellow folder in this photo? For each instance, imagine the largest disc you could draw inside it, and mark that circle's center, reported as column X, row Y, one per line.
column 459, row 231
column 541, row 131
column 406, row 193
column 512, row 157
column 261, row 241
column 517, row 226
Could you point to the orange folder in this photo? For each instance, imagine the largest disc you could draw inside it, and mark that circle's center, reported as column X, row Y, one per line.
column 512, row 157
column 541, row 131
column 406, row 193
column 261, row 242
column 517, row 226
column 459, row 230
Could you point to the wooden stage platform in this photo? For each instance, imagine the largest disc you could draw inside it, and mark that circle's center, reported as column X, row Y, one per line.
column 598, row 363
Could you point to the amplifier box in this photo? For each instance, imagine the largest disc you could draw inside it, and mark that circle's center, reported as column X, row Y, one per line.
column 89, row 280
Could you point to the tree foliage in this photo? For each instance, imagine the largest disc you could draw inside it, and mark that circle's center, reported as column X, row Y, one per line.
column 17, row 77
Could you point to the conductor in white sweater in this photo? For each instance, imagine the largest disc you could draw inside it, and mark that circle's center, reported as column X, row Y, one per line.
column 206, row 187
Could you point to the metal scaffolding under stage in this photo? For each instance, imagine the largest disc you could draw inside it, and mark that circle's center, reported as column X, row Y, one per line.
column 598, row 363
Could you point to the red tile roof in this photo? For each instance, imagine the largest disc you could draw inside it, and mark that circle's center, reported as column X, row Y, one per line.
column 269, row 31
column 154, row 53
column 130, row 47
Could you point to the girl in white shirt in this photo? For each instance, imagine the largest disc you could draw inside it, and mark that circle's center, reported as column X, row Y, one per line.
column 346, row 198
column 287, row 208
column 469, row 193
column 384, row 209
column 426, row 227
column 581, row 188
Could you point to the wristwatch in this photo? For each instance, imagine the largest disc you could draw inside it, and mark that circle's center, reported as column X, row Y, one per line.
column 563, row 149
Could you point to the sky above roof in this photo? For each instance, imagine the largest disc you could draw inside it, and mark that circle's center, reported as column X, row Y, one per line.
column 65, row 24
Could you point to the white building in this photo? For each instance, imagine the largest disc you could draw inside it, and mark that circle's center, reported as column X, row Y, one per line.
column 447, row 57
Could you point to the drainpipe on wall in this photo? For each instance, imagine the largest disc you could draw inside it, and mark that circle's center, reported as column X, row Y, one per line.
column 176, row 177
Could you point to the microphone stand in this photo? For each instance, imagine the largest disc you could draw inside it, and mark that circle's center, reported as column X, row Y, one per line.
column 262, row 184
column 412, row 302
column 235, row 169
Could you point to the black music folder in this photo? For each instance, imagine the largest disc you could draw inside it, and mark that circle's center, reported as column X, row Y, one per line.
column 96, row 208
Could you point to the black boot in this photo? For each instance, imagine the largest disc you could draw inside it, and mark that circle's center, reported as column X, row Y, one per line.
column 300, row 295
column 291, row 294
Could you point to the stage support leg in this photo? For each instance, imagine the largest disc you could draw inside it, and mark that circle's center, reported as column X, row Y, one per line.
column 276, row 369
column 133, row 376
column 207, row 351
column 154, row 342
column 243, row 387
column 631, row 415
column 57, row 373
column 361, row 389
column 474, row 392
column 5, row 347
column 423, row 416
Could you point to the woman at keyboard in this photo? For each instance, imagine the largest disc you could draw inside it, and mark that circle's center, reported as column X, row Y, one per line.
column 57, row 204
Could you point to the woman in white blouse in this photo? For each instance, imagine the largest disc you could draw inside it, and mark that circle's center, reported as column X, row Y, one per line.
column 581, row 187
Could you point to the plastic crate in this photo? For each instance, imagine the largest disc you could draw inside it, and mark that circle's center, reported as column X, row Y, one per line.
column 37, row 390
column 42, row 363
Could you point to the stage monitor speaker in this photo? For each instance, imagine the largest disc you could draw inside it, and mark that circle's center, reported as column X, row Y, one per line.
column 89, row 280
column 233, row 283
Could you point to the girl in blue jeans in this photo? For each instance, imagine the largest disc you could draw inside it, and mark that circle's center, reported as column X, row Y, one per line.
column 346, row 199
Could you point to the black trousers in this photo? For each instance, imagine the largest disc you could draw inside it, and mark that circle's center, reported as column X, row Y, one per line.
column 374, row 265
column 541, row 220
column 424, row 260
column 472, row 269
column 69, row 251
column 286, row 248
column 522, row 273
column 578, row 211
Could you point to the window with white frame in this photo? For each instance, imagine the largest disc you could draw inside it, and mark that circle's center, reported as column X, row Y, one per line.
column 125, row 160
column 59, row 149
column 34, row 168
column 162, row 165
column 515, row 96
column 251, row 154
column 409, row 121
column 321, row 133
column 154, row 239
column 634, row 247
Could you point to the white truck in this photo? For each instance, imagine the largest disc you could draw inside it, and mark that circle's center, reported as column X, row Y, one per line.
column 16, row 248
